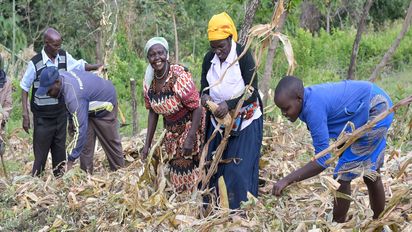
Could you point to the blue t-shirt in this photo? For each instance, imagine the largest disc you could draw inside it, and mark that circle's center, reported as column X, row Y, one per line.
column 327, row 108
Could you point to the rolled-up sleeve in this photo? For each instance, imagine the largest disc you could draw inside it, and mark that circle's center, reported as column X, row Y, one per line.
column 73, row 64
column 28, row 77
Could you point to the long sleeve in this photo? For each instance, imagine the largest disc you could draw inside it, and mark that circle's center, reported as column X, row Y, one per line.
column 205, row 68
column 78, row 108
column 316, row 120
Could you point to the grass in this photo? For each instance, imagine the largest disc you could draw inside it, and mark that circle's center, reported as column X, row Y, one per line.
column 398, row 85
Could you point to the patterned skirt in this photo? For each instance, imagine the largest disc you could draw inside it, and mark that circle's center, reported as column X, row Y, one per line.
column 366, row 155
column 184, row 171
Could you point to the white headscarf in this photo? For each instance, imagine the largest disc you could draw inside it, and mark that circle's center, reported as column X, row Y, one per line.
column 148, row 77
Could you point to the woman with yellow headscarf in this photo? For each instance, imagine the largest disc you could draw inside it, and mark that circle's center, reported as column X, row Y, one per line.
column 243, row 148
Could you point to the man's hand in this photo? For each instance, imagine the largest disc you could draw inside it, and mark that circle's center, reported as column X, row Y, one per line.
column 26, row 123
column 188, row 145
column 204, row 99
column 222, row 110
column 69, row 165
column 279, row 186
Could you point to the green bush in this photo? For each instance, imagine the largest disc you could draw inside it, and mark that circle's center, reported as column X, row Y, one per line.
column 124, row 65
column 326, row 57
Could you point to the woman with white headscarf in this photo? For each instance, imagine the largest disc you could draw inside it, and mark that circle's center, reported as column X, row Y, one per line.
column 169, row 90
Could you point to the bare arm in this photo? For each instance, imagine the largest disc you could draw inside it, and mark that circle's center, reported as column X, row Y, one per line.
column 197, row 114
column 92, row 67
column 26, row 117
column 8, row 102
column 190, row 139
column 151, row 128
column 309, row 170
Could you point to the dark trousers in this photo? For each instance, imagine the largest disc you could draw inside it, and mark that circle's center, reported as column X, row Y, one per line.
column 49, row 134
column 105, row 128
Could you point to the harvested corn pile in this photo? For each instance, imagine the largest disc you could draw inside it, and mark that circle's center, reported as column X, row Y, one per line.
column 134, row 199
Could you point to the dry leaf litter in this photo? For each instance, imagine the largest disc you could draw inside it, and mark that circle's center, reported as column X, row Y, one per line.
column 140, row 197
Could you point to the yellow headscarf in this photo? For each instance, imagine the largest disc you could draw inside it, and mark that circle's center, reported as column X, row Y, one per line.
column 220, row 27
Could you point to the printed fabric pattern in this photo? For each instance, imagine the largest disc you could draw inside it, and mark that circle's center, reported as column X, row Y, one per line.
column 175, row 101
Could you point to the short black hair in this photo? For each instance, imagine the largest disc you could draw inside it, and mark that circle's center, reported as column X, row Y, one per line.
column 290, row 85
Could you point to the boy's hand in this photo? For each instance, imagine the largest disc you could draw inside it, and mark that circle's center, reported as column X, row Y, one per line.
column 279, row 186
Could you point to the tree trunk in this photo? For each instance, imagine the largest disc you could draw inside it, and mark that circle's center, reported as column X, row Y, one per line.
column 247, row 24
column 14, row 33
column 395, row 44
column 176, row 39
column 310, row 17
column 355, row 48
column 99, row 44
column 328, row 18
column 265, row 83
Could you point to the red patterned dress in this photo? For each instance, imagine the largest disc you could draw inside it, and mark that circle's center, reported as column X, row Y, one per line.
column 176, row 102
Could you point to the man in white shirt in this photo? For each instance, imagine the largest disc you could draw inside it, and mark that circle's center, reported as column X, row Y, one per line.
column 49, row 114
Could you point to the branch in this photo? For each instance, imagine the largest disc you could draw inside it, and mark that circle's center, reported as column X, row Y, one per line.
column 388, row 55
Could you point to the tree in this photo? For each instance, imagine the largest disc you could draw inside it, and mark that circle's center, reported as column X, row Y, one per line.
column 264, row 86
column 330, row 9
column 247, row 24
column 355, row 48
column 310, row 17
column 394, row 46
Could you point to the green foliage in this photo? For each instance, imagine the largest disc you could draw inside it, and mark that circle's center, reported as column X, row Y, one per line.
column 124, row 65
column 326, row 57
column 6, row 35
column 320, row 58
column 387, row 10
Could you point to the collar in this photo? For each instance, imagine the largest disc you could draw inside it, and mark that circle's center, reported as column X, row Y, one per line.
column 306, row 93
column 232, row 56
column 46, row 58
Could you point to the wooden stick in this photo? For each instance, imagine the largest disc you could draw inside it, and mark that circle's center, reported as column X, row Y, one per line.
column 135, row 121
column 348, row 138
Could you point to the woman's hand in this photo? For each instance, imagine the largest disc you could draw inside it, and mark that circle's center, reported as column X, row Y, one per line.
column 189, row 144
column 204, row 99
column 279, row 186
column 222, row 110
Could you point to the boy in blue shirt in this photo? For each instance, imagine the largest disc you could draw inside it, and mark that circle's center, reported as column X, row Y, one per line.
column 326, row 109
